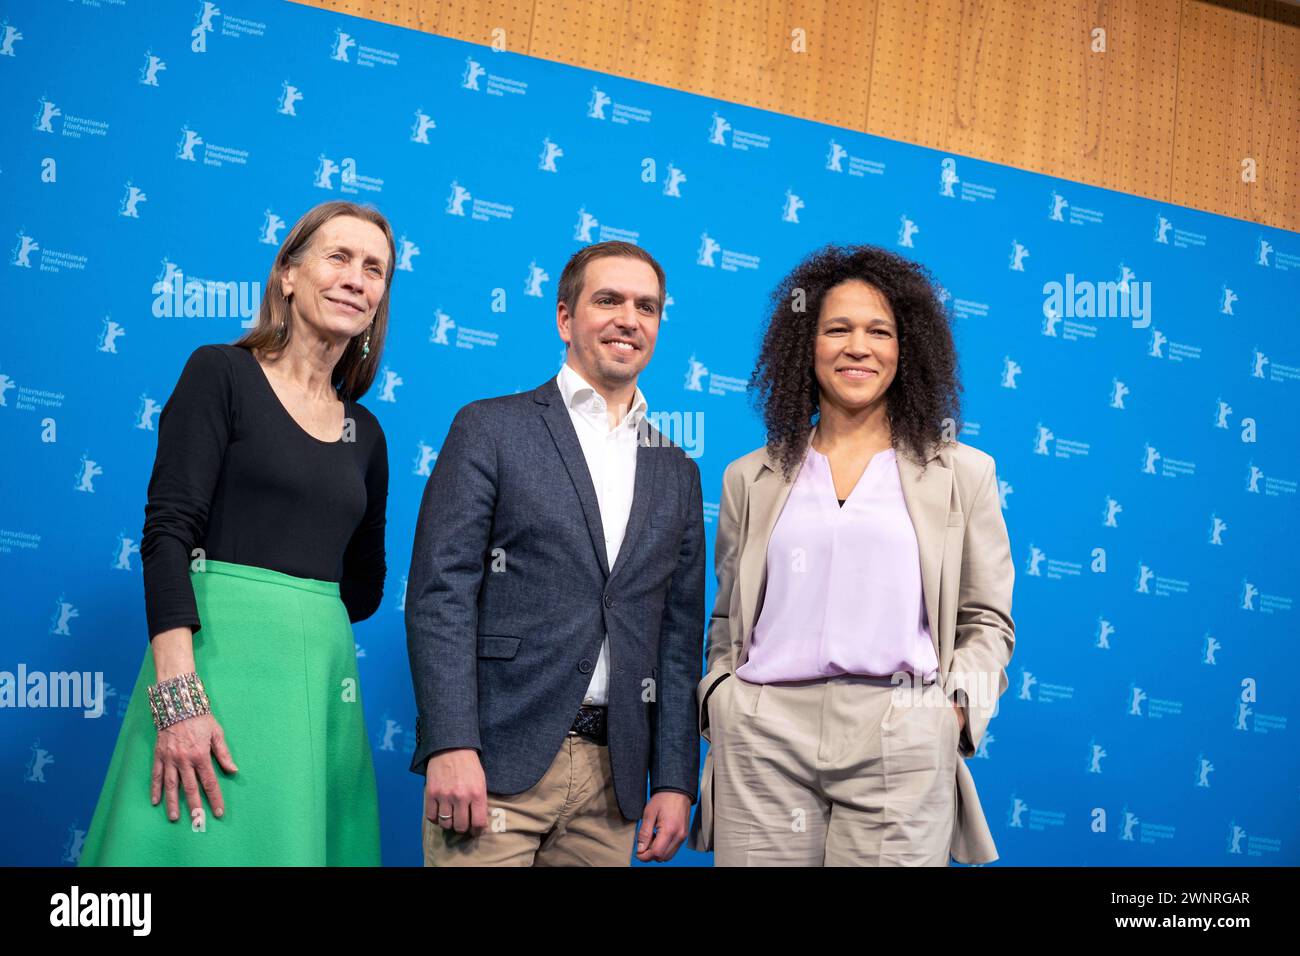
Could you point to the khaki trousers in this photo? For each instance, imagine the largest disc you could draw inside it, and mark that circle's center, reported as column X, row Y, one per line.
column 568, row 818
column 843, row 771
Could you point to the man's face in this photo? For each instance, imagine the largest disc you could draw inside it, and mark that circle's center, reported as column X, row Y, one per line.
column 612, row 330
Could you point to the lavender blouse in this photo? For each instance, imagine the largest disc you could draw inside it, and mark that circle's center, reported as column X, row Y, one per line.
column 843, row 583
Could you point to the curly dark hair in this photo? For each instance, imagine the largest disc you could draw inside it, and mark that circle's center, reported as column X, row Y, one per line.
column 924, row 395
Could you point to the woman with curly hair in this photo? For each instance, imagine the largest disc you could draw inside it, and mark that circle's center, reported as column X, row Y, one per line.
column 863, row 610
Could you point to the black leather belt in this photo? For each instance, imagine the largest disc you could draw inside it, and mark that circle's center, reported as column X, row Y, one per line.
column 590, row 723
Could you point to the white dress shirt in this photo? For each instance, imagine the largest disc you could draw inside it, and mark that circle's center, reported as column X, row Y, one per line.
column 611, row 461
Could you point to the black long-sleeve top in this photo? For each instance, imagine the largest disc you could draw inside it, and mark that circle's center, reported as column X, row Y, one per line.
column 237, row 476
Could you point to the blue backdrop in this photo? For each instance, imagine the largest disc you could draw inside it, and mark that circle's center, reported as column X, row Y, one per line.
column 1133, row 366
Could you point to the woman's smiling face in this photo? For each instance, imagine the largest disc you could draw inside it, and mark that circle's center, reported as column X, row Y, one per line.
column 856, row 353
column 338, row 286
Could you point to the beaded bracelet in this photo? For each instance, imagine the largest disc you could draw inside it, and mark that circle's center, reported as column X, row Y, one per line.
column 177, row 699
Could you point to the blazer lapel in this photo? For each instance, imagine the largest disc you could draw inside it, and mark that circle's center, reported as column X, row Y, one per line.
column 767, row 496
column 647, row 465
column 927, row 504
column 557, row 420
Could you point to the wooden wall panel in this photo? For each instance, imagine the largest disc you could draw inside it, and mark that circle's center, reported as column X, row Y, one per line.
column 403, row 13
column 472, row 20
column 745, row 51
column 476, row 20
column 1183, row 92
column 584, row 34
column 1019, row 83
column 1239, row 97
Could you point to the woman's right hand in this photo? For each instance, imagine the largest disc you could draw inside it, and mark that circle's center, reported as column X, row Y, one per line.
column 182, row 757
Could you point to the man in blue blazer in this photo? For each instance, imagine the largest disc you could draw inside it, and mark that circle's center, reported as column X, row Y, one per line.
column 555, row 603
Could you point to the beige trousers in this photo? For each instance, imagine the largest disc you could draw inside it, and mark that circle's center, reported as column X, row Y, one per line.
column 568, row 818
column 843, row 771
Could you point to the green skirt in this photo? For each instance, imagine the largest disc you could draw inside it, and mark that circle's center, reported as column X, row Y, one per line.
column 277, row 658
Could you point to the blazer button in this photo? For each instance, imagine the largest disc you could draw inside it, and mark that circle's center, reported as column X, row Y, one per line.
column 584, row 665
column 609, row 600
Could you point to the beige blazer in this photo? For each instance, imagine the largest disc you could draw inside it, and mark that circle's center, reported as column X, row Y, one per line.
column 966, row 577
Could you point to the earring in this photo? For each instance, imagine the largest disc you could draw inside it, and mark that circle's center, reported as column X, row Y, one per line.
column 365, row 346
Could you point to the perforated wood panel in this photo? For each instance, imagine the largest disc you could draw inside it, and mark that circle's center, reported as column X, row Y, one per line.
column 1239, row 98
column 1184, row 90
column 475, row 20
column 471, row 20
column 804, row 59
column 1018, row 82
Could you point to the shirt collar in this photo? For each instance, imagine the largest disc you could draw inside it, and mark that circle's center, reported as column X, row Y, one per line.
column 579, row 396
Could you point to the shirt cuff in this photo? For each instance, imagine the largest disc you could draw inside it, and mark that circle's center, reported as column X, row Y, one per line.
column 691, row 796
